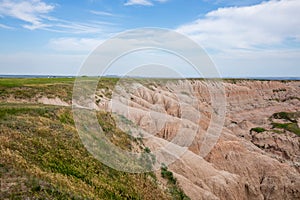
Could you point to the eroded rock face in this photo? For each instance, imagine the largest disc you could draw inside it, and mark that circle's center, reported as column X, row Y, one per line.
column 263, row 177
column 284, row 146
column 242, row 164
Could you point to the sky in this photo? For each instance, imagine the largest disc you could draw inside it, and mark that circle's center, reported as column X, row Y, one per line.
column 244, row 38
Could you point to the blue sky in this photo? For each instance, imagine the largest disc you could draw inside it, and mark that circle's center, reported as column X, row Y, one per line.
column 243, row 37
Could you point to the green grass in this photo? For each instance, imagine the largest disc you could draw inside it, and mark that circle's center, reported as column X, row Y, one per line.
column 173, row 188
column 41, row 144
column 279, row 128
column 32, row 88
column 165, row 173
column 291, row 118
column 292, row 127
column 27, row 92
column 19, row 82
column 258, row 129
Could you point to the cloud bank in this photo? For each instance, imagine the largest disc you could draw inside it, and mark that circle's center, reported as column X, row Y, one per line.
column 249, row 27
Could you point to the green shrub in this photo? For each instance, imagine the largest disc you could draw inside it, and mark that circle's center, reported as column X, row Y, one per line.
column 165, row 173
column 287, row 116
column 175, row 191
column 178, row 193
column 147, row 150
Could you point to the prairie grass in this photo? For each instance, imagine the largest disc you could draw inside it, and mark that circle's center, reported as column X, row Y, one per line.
column 41, row 150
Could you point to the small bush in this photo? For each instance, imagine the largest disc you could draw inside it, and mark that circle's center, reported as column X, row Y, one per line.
column 174, row 189
column 165, row 173
column 284, row 115
column 147, row 150
column 178, row 193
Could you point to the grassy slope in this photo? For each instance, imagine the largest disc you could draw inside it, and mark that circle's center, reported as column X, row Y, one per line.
column 23, row 88
column 43, row 157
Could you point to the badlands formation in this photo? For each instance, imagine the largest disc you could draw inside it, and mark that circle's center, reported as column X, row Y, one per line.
column 240, row 138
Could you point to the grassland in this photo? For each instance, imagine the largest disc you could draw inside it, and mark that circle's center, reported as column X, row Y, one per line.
column 32, row 88
column 42, row 157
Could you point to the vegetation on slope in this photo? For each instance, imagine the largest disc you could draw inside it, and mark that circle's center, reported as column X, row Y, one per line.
column 258, row 129
column 173, row 187
column 32, row 88
column 42, row 157
column 290, row 123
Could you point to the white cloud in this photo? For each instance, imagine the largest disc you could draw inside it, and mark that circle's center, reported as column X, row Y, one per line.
column 102, row 13
column 249, row 27
column 234, row 2
column 31, row 11
column 73, row 44
column 35, row 14
column 138, row 2
column 162, row 1
column 64, row 26
column 257, row 40
column 143, row 2
column 5, row 26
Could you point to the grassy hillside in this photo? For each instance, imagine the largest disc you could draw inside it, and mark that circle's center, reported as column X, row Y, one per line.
column 42, row 157
column 31, row 88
